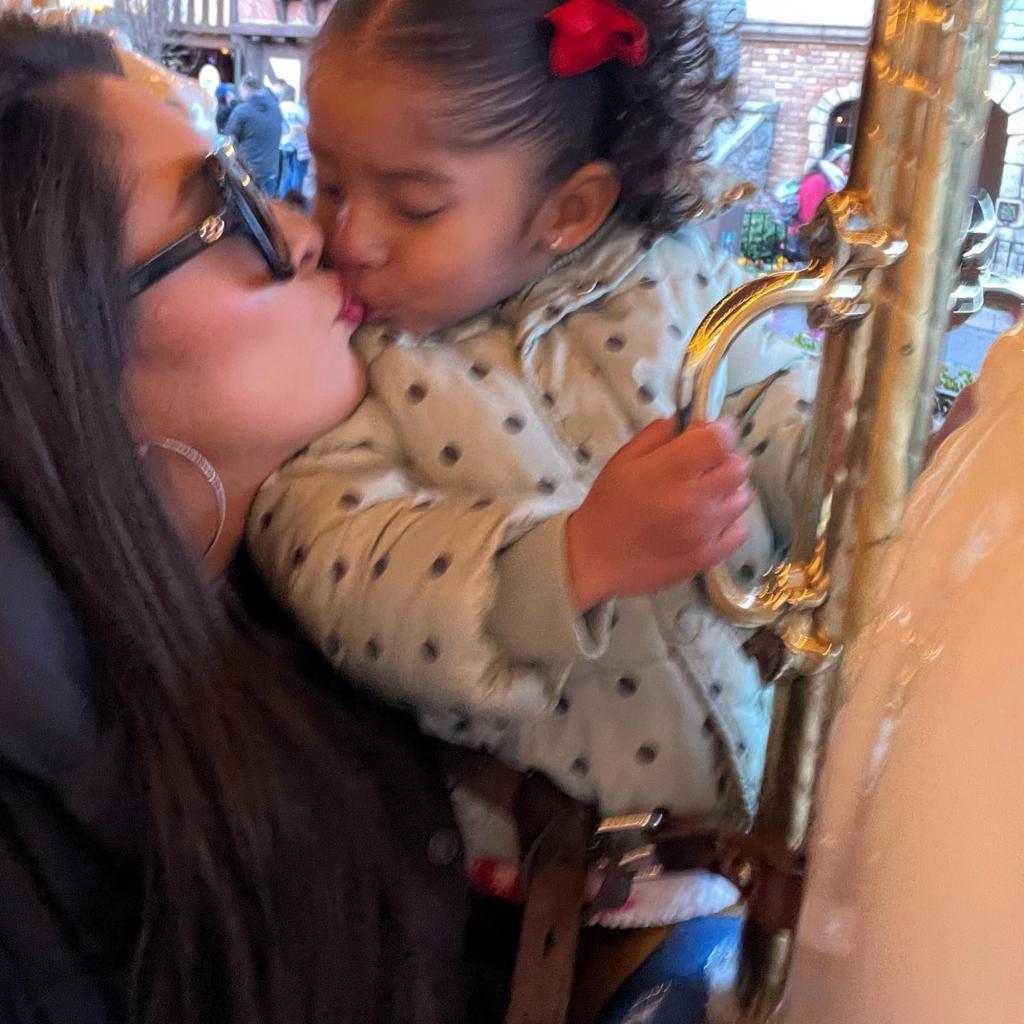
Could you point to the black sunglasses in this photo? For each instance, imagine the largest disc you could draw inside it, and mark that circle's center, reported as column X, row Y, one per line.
column 245, row 211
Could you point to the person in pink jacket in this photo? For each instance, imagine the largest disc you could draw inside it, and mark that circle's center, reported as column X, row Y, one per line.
column 826, row 176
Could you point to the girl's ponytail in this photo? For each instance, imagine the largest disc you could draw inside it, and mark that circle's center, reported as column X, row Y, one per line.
column 665, row 112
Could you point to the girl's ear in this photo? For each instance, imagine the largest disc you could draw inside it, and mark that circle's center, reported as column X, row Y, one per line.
column 578, row 207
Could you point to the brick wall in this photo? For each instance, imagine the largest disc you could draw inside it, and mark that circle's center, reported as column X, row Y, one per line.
column 795, row 75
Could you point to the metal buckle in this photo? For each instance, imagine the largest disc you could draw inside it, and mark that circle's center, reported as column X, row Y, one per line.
column 624, row 854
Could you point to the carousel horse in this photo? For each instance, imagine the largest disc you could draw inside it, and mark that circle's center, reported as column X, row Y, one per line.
column 915, row 884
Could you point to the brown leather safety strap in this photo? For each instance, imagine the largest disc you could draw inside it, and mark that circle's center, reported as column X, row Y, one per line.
column 557, row 834
column 770, row 877
column 557, row 866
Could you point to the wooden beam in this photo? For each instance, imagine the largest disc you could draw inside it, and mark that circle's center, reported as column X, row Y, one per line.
column 273, row 30
column 215, row 35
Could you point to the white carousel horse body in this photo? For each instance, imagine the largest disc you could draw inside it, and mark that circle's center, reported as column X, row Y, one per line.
column 915, row 905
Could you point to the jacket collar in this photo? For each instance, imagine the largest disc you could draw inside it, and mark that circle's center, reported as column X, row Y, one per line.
column 578, row 279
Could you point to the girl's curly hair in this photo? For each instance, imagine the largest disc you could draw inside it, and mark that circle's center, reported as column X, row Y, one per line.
column 653, row 122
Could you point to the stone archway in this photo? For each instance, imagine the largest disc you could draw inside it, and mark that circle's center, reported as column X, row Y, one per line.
column 817, row 131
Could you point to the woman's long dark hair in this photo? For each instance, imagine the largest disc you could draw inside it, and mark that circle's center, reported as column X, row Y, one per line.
column 263, row 888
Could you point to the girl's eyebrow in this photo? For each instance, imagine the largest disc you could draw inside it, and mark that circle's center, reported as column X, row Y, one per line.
column 420, row 175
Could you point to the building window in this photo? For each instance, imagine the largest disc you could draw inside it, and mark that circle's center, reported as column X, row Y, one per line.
column 842, row 125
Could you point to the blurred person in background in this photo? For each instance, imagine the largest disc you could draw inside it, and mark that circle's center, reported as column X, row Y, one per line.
column 295, row 152
column 256, row 125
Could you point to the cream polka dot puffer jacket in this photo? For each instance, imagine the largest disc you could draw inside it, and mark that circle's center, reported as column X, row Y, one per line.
column 421, row 543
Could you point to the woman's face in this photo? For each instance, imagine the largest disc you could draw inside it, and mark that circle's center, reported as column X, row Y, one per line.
column 244, row 368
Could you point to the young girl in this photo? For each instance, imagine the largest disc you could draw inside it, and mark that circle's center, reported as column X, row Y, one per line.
column 505, row 534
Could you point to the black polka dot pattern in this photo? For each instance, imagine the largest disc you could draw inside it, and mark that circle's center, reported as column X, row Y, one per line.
column 380, row 567
column 581, row 766
column 709, row 727
column 547, row 486
column 615, row 344
column 482, row 503
column 548, row 400
column 339, row 570
column 645, row 393
column 648, row 282
column 265, row 520
column 646, row 754
column 562, row 707
column 373, row 649
column 351, row 500
column 748, row 429
column 746, row 573
column 627, row 686
column 716, row 689
column 298, row 557
column 702, row 280
column 676, row 331
column 583, row 455
column 431, row 651
column 450, row 454
column 440, row 565
column 761, row 448
column 514, row 424
column 416, row 393
column 803, row 405
column 478, row 371
column 333, row 646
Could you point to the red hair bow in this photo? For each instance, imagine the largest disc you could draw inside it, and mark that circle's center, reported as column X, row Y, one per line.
column 589, row 33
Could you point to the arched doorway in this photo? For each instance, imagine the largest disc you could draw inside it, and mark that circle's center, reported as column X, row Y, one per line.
column 832, row 120
column 842, row 124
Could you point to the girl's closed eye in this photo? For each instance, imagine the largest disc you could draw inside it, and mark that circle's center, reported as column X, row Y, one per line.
column 419, row 214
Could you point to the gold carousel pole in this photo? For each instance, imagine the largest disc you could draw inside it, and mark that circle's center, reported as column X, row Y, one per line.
column 885, row 258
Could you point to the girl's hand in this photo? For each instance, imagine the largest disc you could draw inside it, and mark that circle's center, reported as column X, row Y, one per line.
column 663, row 509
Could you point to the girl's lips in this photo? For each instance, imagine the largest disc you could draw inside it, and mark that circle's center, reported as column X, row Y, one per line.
column 351, row 309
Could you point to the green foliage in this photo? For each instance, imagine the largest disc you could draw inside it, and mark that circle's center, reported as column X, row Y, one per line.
column 954, row 380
